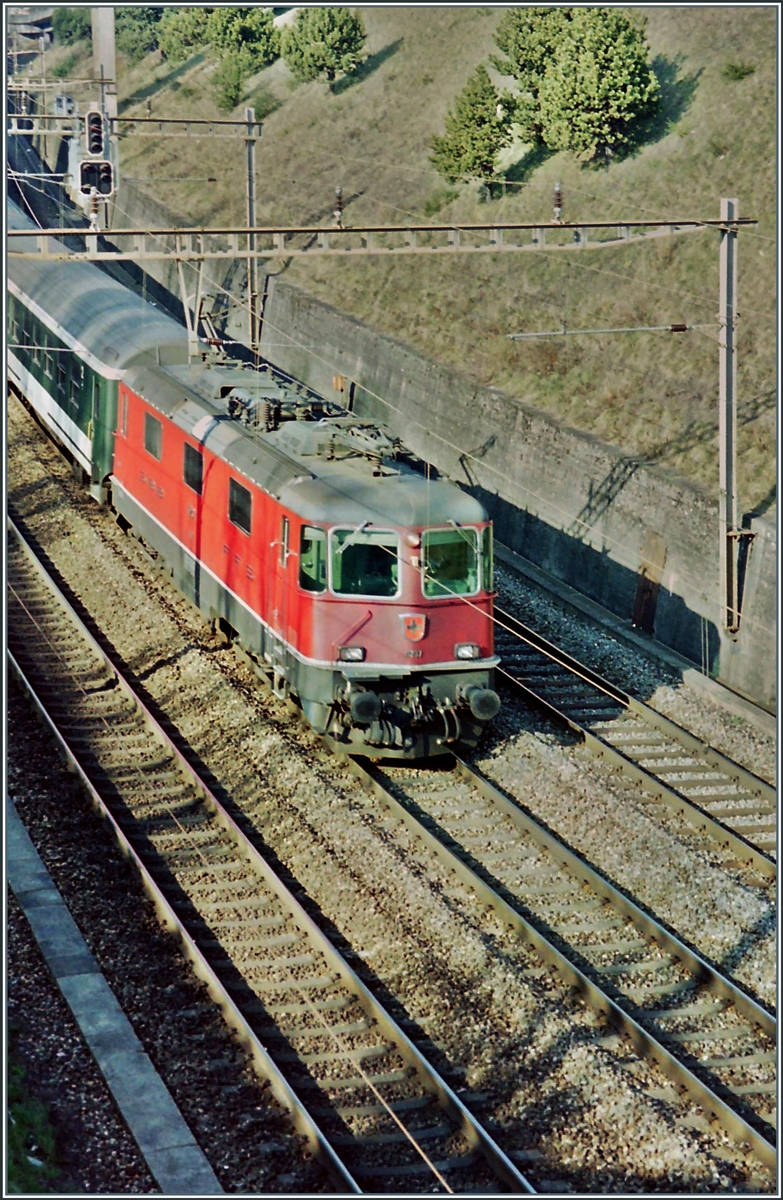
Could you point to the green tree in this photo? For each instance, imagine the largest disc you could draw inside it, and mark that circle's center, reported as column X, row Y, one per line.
column 320, row 42
column 529, row 37
column 136, row 31
column 597, row 85
column 71, row 25
column 478, row 126
column 229, row 78
column 250, row 31
column 181, row 31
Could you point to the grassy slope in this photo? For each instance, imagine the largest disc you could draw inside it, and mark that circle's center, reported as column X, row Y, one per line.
column 652, row 394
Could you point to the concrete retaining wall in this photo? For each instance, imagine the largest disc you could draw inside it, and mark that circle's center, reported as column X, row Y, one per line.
column 626, row 534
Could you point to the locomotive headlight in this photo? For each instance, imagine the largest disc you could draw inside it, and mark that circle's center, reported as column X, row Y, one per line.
column 467, row 650
column 352, row 654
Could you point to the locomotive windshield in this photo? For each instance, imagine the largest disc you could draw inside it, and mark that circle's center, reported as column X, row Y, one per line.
column 364, row 562
column 451, row 562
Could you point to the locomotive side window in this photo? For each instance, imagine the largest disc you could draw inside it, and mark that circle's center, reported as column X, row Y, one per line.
column 193, row 468
column 284, row 541
column 312, row 559
column 122, row 414
column 487, row 561
column 239, row 505
column 450, row 559
column 364, row 562
column 153, row 436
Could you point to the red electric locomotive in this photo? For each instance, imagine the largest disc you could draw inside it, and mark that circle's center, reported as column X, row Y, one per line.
column 363, row 587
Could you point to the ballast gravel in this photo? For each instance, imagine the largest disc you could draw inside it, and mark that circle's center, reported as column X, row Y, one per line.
column 94, row 1150
column 553, row 1082
column 246, row 1136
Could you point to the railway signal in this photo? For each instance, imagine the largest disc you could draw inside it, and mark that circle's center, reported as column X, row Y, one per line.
column 97, row 175
column 96, row 139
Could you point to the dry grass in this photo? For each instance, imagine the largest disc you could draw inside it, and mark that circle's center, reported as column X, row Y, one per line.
column 653, row 394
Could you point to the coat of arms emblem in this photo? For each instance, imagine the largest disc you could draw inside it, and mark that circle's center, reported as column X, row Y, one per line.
column 415, row 626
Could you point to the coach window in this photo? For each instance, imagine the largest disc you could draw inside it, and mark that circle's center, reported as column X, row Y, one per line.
column 312, row 559
column 62, row 375
column 239, row 505
column 364, row 562
column 153, row 436
column 193, row 470
column 48, row 357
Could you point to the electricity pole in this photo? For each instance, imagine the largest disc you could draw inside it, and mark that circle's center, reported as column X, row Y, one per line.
column 252, row 261
column 727, row 425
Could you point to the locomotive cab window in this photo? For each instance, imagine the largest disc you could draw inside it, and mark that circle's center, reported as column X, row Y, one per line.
column 451, row 563
column 239, row 505
column 312, row 559
column 365, row 562
column 153, row 436
column 193, row 468
column 487, row 562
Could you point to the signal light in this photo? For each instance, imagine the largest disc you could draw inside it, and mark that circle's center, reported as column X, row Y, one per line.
column 105, row 179
column 95, row 135
column 98, row 175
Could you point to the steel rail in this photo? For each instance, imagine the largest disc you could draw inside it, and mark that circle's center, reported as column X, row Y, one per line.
column 644, row 1041
column 449, row 1102
column 597, row 734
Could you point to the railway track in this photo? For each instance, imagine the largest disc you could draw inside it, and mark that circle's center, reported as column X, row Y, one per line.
column 707, row 1035
column 722, row 800
column 372, row 1108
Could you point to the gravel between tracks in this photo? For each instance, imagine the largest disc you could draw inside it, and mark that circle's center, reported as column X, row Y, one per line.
column 641, row 676
column 582, row 1104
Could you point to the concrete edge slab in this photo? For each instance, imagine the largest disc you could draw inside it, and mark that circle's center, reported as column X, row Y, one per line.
column 168, row 1147
column 691, row 676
